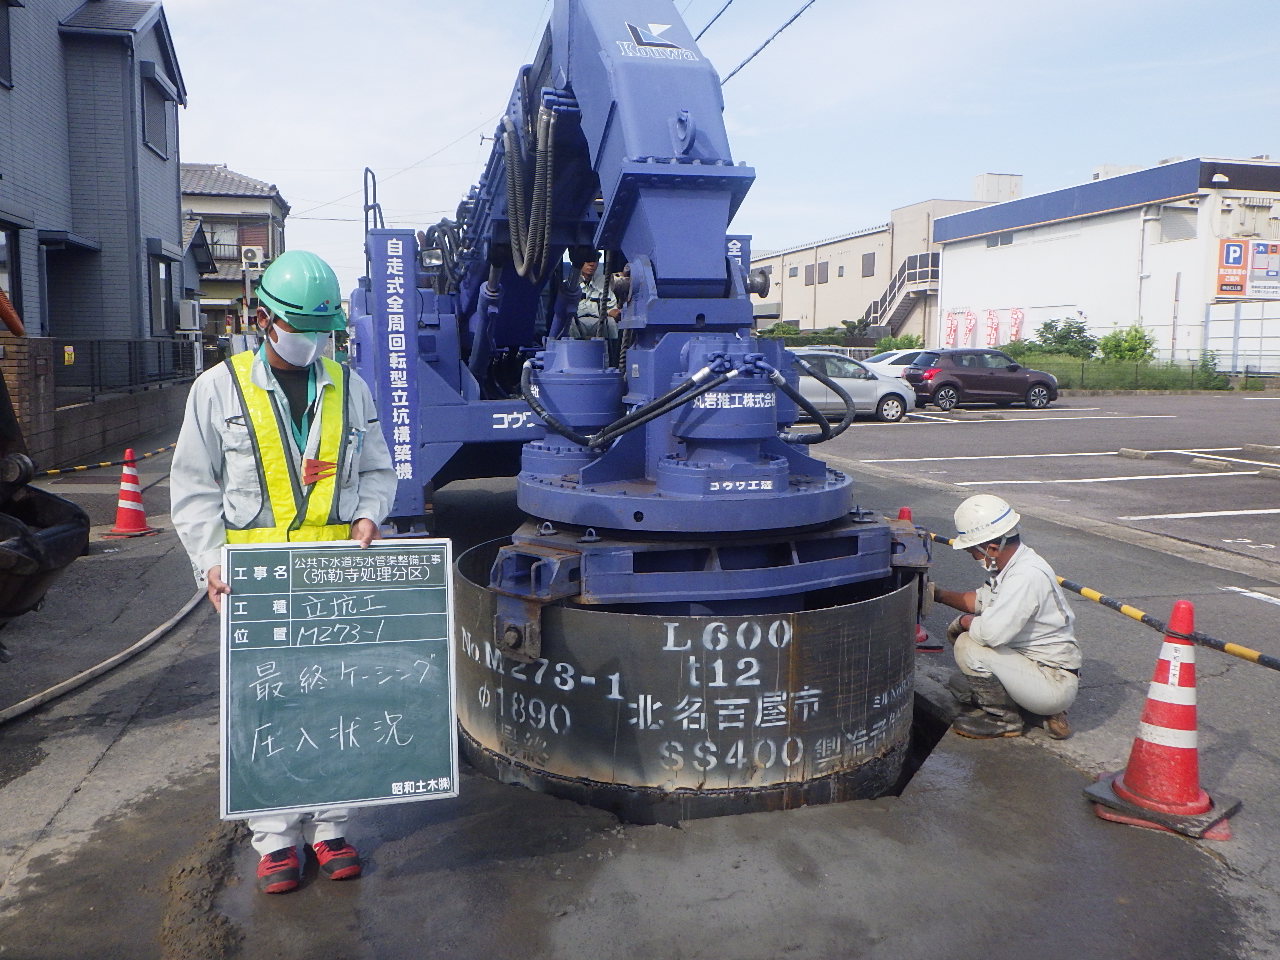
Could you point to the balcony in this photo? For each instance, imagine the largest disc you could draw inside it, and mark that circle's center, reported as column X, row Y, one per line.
column 225, row 251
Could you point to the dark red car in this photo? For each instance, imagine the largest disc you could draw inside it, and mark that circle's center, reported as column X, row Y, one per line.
column 948, row 377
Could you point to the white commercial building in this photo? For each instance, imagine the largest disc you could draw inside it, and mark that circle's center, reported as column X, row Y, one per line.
column 1189, row 250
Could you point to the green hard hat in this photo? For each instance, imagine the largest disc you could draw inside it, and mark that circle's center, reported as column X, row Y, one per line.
column 303, row 290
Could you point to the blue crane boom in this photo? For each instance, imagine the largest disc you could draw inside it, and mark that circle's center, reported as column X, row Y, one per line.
column 671, row 483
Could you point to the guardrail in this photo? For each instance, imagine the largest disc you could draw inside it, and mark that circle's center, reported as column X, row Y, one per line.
column 86, row 369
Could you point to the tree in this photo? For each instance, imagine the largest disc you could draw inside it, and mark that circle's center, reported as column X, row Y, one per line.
column 1071, row 337
column 1132, row 344
column 908, row 341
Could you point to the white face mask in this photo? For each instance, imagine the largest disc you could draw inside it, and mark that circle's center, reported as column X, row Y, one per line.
column 299, row 349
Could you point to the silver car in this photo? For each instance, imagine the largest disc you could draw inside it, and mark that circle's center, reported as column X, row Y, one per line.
column 892, row 363
column 888, row 399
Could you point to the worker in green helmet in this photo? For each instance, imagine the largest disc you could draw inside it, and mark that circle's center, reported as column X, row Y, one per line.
column 283, row 444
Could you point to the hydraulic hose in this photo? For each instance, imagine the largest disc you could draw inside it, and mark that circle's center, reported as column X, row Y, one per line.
column 609, row 434
column 526, row 391
column 849, row 408
column 80, row 679
column 530, row 223
column 824, row 428
column 666, row 398
column 516, row 215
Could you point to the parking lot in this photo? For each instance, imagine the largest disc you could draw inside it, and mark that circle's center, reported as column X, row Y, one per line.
column 1204, row 468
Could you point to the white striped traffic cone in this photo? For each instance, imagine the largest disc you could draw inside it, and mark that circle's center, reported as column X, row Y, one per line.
column 1160, row 788
column 131, row 518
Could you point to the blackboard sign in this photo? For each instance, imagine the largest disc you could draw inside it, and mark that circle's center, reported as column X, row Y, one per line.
column 337, row 679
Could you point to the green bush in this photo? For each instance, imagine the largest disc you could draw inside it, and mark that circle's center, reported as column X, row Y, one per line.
column 815, row 340
column 1207, row 373
column 1074, row 374
column 1070, row 337
column 1132, row 343
column 1018, row 349
column 779, row 329
column 908, row 341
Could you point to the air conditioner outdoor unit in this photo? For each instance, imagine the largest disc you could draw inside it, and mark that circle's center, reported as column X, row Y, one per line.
column 251, row 256
column 189, row 315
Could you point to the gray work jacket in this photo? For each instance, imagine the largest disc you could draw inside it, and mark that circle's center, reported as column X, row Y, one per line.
column 214, row 479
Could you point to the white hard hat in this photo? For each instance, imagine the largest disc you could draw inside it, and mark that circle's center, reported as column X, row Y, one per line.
column 981, row 519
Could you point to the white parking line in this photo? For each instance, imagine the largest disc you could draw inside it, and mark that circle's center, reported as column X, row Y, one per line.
column 1150, row 476
column 1002, row 419
column 1256, row 463
column 933, row 419
column 1037, row 456
column 1253, row 593
column 1196, row 516
column 1262, row 398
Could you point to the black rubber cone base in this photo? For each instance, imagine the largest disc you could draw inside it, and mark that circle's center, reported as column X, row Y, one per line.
column 1200, row 826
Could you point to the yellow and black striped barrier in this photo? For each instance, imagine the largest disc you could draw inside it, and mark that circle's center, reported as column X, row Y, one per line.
column 108, row 463
column 1203, row 639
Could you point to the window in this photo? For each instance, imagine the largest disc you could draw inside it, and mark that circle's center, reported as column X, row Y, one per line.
column 6, row 57
column 840, row 271
column 155, row 118
column 846, row 369
column 808, row 274
column 823, row 271
column 1177, row 223
column 9, row 279
column 869, row 264
column 793, row 271
column 162, row 305
column 999, row 239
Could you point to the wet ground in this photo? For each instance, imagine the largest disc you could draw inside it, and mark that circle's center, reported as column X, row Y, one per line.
column 110, row 846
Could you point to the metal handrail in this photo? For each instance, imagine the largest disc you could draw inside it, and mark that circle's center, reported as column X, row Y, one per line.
column 917, row 268
column 84, row 370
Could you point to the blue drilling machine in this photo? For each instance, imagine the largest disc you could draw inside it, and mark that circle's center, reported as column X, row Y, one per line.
column 696, row 618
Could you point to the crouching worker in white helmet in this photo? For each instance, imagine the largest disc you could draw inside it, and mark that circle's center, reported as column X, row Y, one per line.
column 1014, row 642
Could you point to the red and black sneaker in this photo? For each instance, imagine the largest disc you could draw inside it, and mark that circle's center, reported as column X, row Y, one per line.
column 338, row 859
column 278, row 871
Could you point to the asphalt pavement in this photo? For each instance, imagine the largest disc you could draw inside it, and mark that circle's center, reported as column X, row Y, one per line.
column 110, row 846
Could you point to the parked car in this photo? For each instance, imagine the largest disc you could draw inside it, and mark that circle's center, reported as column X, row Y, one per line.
column 888, row 399
column 891, row 362
column 948, row 377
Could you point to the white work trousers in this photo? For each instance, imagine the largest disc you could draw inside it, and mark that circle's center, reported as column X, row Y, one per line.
column 1033, row 686
column 280, row 830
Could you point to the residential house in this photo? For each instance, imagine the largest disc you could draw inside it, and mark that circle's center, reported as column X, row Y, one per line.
column 90, row 224
column 243, row 219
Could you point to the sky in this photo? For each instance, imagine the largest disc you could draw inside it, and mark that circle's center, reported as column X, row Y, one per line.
column 859, row 107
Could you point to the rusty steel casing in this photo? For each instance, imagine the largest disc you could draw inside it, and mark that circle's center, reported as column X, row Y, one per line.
column 661, row 718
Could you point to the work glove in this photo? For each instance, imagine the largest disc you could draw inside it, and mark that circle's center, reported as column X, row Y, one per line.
column 954, row 629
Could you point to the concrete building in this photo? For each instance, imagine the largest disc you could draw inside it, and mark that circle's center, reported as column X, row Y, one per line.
column 90, row 232
column 1187, row 249
column 243, row 219
column 886, row 275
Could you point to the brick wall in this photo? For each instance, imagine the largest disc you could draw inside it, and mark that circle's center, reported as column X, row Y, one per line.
column 82, row 433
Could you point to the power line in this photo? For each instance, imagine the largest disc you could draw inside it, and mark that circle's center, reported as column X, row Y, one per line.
column 794, row 17
column 713, row 20
column 405, row 169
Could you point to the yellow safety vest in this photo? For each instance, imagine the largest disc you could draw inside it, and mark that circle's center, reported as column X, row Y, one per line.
column 303, row 496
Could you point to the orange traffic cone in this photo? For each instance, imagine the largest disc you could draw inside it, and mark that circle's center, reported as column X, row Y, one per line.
column 1160, row 788
column 131, row 518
